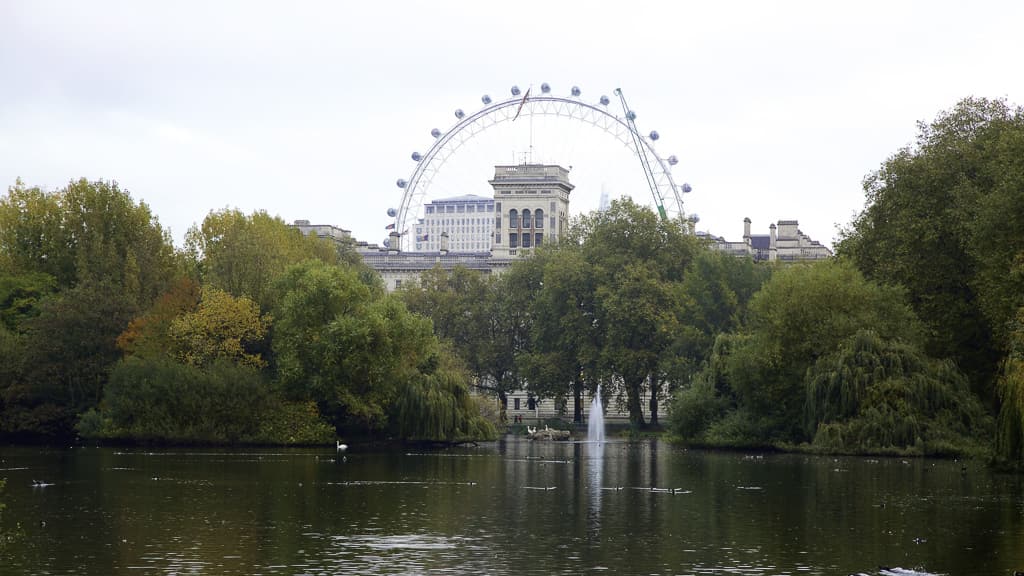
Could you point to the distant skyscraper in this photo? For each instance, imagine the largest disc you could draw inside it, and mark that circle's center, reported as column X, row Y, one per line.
column 604, row 199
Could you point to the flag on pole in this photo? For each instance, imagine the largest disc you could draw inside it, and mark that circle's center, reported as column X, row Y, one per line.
column 390, row 226
column 520, row 109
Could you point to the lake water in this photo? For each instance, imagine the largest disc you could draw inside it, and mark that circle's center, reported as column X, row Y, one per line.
column 512, row 507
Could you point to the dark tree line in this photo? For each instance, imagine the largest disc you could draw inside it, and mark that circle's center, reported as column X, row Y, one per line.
column 253, row 333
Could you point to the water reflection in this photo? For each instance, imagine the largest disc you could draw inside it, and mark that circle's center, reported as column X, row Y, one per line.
column 595, row 480
column 514, row 507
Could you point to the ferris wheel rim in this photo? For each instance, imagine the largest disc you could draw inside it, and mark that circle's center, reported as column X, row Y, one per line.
column 493, row 113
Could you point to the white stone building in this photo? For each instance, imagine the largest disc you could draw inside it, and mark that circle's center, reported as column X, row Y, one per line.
column 784, row 242
column 531, row 204
column 468, row 220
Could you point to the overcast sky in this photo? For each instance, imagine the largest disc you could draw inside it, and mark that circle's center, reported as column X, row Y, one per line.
column 776, row 110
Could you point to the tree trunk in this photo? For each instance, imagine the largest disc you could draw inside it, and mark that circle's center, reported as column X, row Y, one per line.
column 636, row 411
column 653, row 404
column 503, row 402
column 577, row 393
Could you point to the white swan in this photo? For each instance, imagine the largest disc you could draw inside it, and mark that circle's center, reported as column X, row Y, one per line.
column 341, row 447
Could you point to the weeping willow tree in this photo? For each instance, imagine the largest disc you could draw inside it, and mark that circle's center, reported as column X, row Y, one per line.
column 435, row 405
column 885, row 396
column 1010, row 387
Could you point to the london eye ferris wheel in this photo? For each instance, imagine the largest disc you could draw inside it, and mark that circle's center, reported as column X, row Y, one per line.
column 527, row 108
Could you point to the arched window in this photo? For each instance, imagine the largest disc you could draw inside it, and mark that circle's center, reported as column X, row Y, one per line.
column 526, row 218
column 538, row 218
column 513, row 218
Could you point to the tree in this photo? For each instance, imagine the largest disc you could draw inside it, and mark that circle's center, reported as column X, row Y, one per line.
column 563, row 356
column 638, row 260
column 244, row 255
column 69, row 349
column 364, row 358
column 222, row 326
column 87, row 229
column 1009, row 446
column 875, row 395
column 455, row 301
column 803, row 313
column 943, row 219
column 149, row 335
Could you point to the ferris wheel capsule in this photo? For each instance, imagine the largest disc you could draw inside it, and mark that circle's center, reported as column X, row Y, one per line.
column 515, row 90
column 604, row 100
column 655, row 135
column 392, row 212
column 576, row 91
column 485, row 99
column 459, row 113
column 545, row 88
column 435, row 133
column 416, row 156
column 672, row 160
column 631, row 115
column 687, row 188
column 401, row 183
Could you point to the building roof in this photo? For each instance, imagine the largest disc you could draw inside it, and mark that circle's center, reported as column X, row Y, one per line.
column 463, row 198
column 760, row 241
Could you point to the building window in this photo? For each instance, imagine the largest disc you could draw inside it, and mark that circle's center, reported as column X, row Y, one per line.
column 538, row 218
column 526, row 218
column 538, row 238
column 398, row 284
column 515, row 403
column 513, row 218
column 526, row 239
column 513, row 240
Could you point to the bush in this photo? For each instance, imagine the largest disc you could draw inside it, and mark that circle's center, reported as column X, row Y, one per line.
column 695, row 408
column 160, row 400
column 877, row 396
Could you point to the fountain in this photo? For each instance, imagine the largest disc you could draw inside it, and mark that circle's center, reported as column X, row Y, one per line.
column 595, row 421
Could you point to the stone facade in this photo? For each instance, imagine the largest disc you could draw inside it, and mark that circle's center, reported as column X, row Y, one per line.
column 327, row 231
column 467, row 220
column 783, row 243
column 531, row 204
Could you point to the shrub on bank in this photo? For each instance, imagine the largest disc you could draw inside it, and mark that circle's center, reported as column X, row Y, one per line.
column 160, row 400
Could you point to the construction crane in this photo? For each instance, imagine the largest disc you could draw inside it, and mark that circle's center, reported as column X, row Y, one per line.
column 641, row 151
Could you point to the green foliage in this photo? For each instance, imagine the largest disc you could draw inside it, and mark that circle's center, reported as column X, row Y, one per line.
column 67, row 351
column 437, row 406
column 801, row 314
column 1009, row 446
column 873, row 395
column 638, row 261
column 293, row 423
column 943, row 220
column 20, row 296
column 222, row 326
column 245, row 255
column 695, row 408
column 86, row 229
column 365, row 359
column 160, row 400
